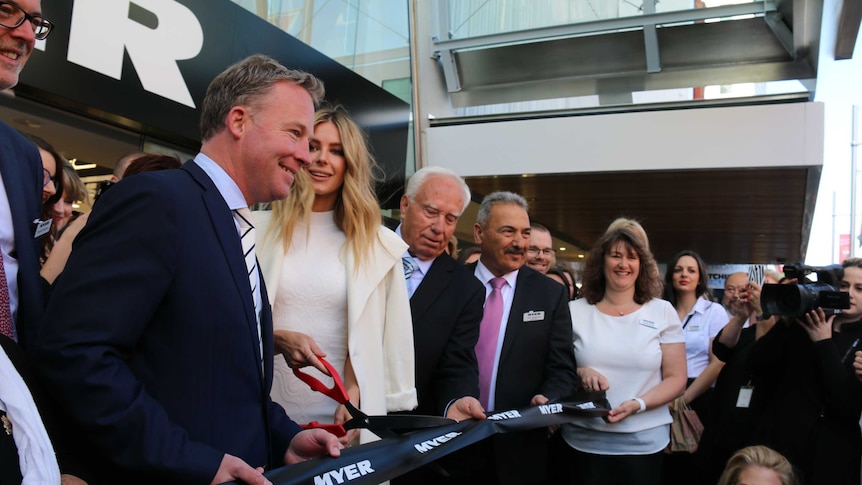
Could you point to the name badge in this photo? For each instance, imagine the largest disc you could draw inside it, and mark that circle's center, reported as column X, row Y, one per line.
column 534, row 316
column 743, row 400
column 693, row 328
column 648, row 323
column 42, row 227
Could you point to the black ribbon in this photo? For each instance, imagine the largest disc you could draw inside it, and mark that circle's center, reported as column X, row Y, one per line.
column 376, row 462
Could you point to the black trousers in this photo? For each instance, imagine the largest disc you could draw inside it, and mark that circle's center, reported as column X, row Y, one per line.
column 590, row 469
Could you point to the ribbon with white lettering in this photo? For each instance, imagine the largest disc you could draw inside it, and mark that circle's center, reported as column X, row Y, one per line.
column 383, row 460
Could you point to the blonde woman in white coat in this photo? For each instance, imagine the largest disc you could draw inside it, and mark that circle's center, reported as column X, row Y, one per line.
column 336, row 283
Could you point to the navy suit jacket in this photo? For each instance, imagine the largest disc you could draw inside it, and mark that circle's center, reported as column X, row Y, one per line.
column 537, row 358
column 150, row 338
column 21, row 169
column 447, row 309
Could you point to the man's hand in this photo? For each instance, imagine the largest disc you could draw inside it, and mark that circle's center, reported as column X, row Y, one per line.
column 298, row 349
column 312, row 443
column 233, row 468
column 592, row 380
column 538, row 400
column 467, row 407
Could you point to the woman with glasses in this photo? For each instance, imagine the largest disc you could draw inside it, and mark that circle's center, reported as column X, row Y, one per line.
column 336, row 283
column 52, row 186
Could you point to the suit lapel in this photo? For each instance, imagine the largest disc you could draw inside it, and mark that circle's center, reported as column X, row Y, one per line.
column 520, row 301
column 225, row 229
column 438, row 278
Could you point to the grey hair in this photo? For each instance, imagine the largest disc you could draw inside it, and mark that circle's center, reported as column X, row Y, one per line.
column 245, row 82
column 421, row 176
column 498, row 198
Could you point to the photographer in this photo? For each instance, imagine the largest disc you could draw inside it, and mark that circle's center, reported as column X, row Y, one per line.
column 813, row 405
column 732, row 420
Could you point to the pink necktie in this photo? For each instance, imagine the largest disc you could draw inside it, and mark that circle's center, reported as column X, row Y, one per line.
column 5, row 310
column 489, row 333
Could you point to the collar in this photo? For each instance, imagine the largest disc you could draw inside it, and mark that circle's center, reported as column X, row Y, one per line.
column 485, row 275
column 226, row 186
column 424, row 264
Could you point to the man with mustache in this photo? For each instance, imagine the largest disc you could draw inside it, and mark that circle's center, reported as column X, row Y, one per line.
column 525, row 341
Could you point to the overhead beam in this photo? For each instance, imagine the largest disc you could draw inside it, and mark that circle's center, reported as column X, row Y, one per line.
column 622, row 23
column 848, row 29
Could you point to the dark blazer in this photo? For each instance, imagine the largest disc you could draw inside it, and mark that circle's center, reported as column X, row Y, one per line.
column 150, row 338
column 447, row 310
column 21, row 169
column 537, row 358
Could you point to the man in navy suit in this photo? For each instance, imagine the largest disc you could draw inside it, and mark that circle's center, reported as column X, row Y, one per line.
column 528, row 359
column 445, row 302
column 157, row 338
column 22, row 181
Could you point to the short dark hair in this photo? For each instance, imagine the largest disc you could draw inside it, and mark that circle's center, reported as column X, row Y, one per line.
column 151, row 162
column 245, row 82
column 648, row 284
column 670, row 292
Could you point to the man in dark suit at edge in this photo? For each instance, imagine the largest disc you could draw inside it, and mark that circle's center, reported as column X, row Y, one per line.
column 445, row 301
column 158, row 338
column 525, row 350
column 22, row 181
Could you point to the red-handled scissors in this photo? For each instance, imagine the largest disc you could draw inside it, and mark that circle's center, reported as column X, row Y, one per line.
column 382, row 426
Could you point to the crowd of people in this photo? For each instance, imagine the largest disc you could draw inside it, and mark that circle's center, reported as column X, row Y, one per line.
column 159, row 347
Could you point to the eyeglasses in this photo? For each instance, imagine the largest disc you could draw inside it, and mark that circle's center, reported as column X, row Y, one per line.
column 46, row 177
column 12, row 16
column 533, row 251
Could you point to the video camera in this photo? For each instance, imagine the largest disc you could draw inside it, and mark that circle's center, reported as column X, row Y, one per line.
column 805, row 296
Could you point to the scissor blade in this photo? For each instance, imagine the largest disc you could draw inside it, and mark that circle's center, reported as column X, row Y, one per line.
column 398, row 423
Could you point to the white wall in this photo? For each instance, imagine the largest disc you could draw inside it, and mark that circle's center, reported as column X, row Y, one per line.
column 838, row 87
column 779, row 135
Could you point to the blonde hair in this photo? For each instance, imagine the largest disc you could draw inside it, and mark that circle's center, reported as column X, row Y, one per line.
column 357, row 213
column 757, row 456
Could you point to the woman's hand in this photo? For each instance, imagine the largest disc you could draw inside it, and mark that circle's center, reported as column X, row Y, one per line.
column 817, row 325
column 857, row 365
column 592, row 380
column 298, row 349
column 624, row 410
column 342, row 416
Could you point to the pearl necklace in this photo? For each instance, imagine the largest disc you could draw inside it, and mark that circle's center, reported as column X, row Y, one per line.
column 626, row 309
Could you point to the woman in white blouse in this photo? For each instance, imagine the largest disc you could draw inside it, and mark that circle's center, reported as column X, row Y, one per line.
column 629, row 343
column 686, row 289
column 335, row 280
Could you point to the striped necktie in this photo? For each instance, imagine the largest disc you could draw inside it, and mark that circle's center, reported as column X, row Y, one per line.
column 246, row 234
column 410, row 267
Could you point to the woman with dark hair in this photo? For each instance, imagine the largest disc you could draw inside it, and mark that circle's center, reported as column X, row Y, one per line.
column 629, row 343
column 469, row 255
column 52, row 186
column 556, row 273
column 803, row 370
column 686, row 289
